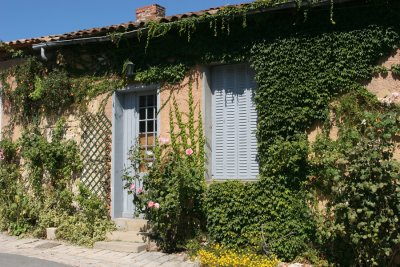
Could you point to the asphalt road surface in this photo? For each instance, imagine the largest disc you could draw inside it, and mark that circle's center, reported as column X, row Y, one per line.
column 11, row 260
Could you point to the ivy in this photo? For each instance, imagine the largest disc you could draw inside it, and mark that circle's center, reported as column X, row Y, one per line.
column 172, row 74
column 298, row 75
column 395, row 69
column 237, row 212
column 291, row 96
column 357, row 174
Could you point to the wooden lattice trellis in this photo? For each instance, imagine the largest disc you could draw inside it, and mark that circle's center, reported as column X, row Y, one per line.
column 96, row 154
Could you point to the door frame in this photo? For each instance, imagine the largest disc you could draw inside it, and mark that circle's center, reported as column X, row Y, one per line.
column 117, row 155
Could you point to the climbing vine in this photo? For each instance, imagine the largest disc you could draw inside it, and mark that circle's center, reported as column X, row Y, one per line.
column 44, row 196
column 358, row 175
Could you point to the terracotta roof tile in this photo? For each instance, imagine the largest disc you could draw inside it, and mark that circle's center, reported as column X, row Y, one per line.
column 100, row 31
column 128, row 26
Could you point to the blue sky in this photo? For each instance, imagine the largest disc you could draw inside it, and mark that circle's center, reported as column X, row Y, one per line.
column 35, row 18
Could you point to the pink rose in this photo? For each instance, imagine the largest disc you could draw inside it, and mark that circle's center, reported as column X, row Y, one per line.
column 164, row 140
column 132, row 187
column 157, row 205
column 150, row 204
column 189, row 151
column 140, row 190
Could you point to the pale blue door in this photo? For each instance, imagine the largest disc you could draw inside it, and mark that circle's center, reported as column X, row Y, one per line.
column 134, row 124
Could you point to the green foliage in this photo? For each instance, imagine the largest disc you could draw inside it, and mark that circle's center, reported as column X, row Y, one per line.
column 20, row 98
column 13, row 52
column 395, row 69
column 249, row 214
column 291, row 96
column 219, row 23
column 89, row 224
column 171, row 74
column 382, row 70
column 87, row 87
column 43, row 197
column 173, row 188
column 312, row 256
column 358, row 176
column 40, row 91
column 287, row 162
column 37, row 91
column 17, row 211
column 54, row 163
column 115, row 37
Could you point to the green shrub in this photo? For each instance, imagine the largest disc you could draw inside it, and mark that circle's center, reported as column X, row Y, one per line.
column 89, row 223
column 17, row 210
column 251, row 214
column 273, row 210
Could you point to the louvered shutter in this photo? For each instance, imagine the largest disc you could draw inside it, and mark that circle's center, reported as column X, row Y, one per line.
column 234, row 123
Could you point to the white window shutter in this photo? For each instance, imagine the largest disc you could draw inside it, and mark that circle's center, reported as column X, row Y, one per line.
column 235, row 120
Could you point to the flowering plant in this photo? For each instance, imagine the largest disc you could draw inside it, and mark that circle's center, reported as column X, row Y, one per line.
column 171, row 192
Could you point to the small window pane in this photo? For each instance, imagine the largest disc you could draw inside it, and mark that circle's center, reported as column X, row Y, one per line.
column 150, row 140
column 150, row 100
column 142, row 140
column 150, row 113
column 150, row 126
column 142, row 114
column 142, row 126
column 142, row 101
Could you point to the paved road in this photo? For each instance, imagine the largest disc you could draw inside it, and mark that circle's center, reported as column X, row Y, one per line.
column 11, row 260
column 59, row 254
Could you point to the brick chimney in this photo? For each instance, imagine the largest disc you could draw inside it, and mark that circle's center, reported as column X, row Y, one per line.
column 150, row 12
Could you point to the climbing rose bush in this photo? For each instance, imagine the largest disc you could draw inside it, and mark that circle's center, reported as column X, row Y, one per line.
column 170, row 193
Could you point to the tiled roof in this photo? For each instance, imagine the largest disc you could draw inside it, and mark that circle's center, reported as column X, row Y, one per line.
column 93, row 32
column 133, row 25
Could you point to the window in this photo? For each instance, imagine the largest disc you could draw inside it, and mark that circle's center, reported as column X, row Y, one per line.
column 147, row 127
column 234, row 123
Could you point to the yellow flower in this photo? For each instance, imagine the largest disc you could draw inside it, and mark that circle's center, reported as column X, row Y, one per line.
column 218, row 256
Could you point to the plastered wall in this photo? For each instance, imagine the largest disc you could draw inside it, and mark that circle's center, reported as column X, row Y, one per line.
column 180, row 92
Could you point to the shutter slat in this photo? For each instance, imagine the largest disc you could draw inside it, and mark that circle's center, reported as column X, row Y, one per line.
column 235, row 120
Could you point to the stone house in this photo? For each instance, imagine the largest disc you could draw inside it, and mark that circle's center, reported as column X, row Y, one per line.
column 224, row 93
